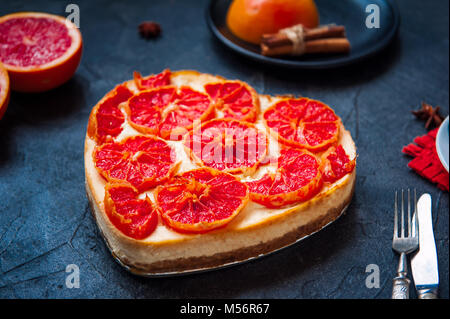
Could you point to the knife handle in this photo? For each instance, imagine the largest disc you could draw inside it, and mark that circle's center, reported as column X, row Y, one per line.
column 400, row 288
column 427, row 293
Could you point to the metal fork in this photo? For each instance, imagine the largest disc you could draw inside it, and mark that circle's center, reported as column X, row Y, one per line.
column 404, row 245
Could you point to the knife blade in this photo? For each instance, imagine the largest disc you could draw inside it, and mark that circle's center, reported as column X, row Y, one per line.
column 424, row 264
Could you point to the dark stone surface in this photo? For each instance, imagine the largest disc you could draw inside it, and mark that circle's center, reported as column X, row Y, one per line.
column 45, row 221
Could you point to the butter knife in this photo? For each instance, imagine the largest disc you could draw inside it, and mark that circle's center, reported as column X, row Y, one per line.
column 424, row 264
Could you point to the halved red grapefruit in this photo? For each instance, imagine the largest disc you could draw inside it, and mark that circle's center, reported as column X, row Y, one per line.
column 227, row 145
column 297, row 177
column 40, row 51
column 4, row 90
column 201, row 200
column 303, row 122
column 143, row 161
column 136, row 218
column 235, row 99
column 168, row 111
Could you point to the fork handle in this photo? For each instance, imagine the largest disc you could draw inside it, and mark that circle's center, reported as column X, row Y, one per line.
column 400, row 288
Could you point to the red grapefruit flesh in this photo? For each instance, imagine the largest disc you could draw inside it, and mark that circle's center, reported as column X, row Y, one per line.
column 40, row 51
column 106, row 119
column 227, row 145
column 337, row 164
column 136, row 218
column 168, row 111
column 152, row 81
column 143, row 161
column 4, row 90
column 298, row 177
column 236, row 99
column 200, row 200
column 303, row 123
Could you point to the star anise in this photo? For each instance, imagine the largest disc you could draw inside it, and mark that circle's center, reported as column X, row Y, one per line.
column 429, row 114
column 149, row 29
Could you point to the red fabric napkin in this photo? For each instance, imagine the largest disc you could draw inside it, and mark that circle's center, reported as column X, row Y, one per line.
column 426, row 161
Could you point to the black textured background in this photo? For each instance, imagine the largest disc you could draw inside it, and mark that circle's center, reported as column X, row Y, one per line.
column 45, row 221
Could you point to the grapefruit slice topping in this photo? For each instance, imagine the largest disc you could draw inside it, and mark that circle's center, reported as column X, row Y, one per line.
column 297, row 178
column 41, row 51
column 136, row 218
column 200, row 200
column 337, row 164
column 152, row 81
column 168, row 111
column 227, row 145
column 4, row 90
column 236, row 99
column 106, row 119
column 143, row 161
column 303, row 123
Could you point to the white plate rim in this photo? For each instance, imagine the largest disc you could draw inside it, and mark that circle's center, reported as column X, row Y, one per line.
column 439, row 142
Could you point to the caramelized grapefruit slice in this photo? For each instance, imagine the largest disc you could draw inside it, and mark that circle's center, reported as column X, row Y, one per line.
column 297, row 178
column 227, row 145
column 152, row 81
column 4, row 90
column 200, row 200
column 168, row 111
column 337, row 164
column 143, row 161
column 136, row 218
column 40, row 51
column 303, row 123
column 236, row 99
column 106, row 119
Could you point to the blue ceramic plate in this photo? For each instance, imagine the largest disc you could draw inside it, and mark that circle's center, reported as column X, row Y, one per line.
column 349, row 13
column 442, row 141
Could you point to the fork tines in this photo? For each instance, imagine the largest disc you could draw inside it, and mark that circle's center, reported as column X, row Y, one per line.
column 411, row 232
column 404, row 244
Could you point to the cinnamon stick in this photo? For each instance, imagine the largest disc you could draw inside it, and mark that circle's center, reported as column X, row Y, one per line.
column 324, row 46
column 279, row 39
column 325, row 40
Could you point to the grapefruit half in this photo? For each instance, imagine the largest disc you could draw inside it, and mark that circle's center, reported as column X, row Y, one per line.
column 40, row 51
column 4, row 90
